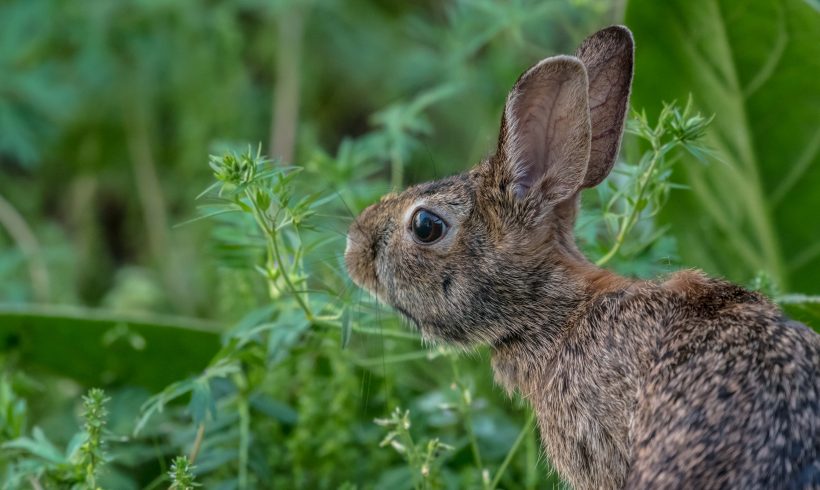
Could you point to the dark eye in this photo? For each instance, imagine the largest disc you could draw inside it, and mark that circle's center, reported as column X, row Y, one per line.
column 427, row 227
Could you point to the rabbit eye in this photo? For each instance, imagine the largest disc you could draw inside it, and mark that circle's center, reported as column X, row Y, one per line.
column 427, row 227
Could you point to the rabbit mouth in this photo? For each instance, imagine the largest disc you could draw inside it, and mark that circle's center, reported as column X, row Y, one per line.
column 408, row 316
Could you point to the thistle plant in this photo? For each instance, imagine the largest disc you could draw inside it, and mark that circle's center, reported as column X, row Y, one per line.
column 95, row 415
column 250, row 184
column 38, row 461
column 268, row 220
column 182, row 474
column 636, row 192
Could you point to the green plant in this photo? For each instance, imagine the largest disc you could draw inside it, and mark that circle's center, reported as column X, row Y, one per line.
column 646, row 186
column 39, row 462
column 13, row 409
column 92, row 456
column 755, row 211
column 278, row 229
column 424, row 458
column 234, row 323
column 621, row 221
column 182, row 474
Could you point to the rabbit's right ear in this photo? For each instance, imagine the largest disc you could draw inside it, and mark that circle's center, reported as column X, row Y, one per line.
column 544, row 143
column 608, row 57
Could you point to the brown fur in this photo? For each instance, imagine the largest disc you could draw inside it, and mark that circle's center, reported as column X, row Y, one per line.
column 691, row 382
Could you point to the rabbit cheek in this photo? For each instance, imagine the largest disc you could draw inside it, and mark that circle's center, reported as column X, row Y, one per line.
column 412, row 283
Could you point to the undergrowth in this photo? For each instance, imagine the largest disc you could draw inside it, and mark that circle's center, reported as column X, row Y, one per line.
column 275, row 371
column 312, row 352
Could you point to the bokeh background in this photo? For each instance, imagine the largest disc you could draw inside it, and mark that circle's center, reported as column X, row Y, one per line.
column 109, row 110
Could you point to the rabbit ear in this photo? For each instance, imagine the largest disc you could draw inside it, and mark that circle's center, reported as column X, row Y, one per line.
column 608, row 57
column 545, row 132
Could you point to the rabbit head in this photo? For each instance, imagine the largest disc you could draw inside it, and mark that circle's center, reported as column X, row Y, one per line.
column 475, row 257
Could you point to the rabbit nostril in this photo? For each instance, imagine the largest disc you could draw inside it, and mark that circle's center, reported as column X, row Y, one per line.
column 357, row 241
column 348, row 245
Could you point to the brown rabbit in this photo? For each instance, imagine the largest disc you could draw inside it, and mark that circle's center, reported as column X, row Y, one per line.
column 691, row 382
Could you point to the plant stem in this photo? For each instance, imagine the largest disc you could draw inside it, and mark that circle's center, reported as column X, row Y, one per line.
column 531, row 478
column 286, row 276
column 511, row 453
column 333, row 323
column 151, row 197
column 244, row 440
column 410, row 356
column 629, row 221
column 273, row 252
column 466, row 412
column 797, row 299
column 155, row 483
column 200, row 434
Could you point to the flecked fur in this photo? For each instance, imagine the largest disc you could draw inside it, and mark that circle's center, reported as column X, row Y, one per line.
column 689, row 382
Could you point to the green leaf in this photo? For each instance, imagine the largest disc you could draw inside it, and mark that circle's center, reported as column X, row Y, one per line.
column 754, row 66
column 802, row 308
column 283, row 338
column 38, row 446
column 274, row 409
column 202, row 403
column 78, row 343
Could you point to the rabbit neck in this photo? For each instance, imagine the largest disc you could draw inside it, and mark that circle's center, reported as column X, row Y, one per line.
column 577, row 284
column 580, row 380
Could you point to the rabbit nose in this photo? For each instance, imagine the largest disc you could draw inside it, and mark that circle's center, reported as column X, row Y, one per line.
column 360, row 235
column 347, row 244
column 354, row 240
column 358, row 258
column 360, row 249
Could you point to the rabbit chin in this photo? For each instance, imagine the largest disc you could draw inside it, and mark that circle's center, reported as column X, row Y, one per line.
column 452, row 331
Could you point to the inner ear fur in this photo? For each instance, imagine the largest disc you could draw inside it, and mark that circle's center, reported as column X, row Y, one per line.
column 545, row 135
column 608, row 57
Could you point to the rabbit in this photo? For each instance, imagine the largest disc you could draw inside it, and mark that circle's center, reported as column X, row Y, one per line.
column 684, row 382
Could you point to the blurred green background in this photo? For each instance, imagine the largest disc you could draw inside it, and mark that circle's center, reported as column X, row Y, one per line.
column 109, row 110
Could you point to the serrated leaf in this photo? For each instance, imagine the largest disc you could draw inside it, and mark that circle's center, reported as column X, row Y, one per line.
column 202, row 402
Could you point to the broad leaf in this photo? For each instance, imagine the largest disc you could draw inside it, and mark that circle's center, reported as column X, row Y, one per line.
column 99, row 348
column 754, row 65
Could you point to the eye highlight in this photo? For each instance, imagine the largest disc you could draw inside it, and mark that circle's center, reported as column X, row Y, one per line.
column 427, row 227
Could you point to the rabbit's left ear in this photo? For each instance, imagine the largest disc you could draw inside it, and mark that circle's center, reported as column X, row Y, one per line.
column 608, row 57
column 543, row 145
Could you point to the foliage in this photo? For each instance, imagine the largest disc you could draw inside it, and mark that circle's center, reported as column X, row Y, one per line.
column 753, row 66
column 275, row 226
column 37, row 336
column 37, row 460
column 91, row 451
column 233, row 348
column 424, row 459
column 638, row 192
column 182, row 474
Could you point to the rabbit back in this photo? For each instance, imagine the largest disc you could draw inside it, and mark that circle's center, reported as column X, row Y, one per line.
column 688, row 383
column 730, row 401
